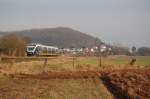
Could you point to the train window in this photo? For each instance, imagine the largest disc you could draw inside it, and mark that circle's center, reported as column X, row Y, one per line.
column 49, row 50
column 38, row 49
column 53, row 50
column 44, row 50
column 31, row 48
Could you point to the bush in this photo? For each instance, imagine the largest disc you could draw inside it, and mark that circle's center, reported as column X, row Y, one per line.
column 12, row 44
column 145, row 51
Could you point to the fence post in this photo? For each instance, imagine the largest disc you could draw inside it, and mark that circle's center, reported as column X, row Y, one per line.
column 0, row 58
column 100, row 60
column 73, row 60
column 99, row 56
column 45, row 63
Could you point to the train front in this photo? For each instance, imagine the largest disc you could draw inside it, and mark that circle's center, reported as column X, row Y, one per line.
column 31, row 50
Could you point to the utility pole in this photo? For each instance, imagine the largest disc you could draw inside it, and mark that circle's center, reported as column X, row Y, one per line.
column 99, row 55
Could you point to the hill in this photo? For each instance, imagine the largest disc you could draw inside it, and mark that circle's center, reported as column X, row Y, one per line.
column 60, row 36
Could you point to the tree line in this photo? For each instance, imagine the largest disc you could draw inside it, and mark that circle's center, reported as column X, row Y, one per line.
column 119, row 50
column 13, row 45
column 144, row 51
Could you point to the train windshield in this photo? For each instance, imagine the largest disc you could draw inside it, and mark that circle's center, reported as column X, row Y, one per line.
column 30, row 48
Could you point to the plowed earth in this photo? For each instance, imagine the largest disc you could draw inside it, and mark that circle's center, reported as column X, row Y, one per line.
column 128, row 84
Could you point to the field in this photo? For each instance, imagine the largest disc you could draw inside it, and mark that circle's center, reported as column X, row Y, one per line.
column 49, row 89
column 117, row 60
column 75, row 78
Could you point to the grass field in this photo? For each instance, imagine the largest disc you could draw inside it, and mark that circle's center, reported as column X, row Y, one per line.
column 15, row 88
column 116, row 60
column 66, row 63
column 94, row 62
column 51, row 89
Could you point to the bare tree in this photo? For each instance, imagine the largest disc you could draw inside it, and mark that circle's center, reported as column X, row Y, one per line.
column 13, row 45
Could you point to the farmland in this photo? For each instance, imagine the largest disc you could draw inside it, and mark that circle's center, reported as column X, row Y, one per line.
column 117, row 60
column 129, row 84
column 75, row 78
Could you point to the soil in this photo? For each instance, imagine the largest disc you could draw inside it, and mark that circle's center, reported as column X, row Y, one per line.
column 57, row 75
column 128, row 84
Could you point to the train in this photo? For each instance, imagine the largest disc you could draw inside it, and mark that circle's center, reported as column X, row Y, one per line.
column 35, row 49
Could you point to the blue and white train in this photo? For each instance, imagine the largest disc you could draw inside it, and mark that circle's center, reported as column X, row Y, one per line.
column 34, row 49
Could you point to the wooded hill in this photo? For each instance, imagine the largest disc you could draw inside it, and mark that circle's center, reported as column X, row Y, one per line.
column 60, row 36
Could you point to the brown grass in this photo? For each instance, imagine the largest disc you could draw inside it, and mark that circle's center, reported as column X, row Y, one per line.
column 58, row 79
column 15, row 88
column 129, row 84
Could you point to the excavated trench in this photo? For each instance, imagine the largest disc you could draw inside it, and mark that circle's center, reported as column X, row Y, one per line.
column 128, row 84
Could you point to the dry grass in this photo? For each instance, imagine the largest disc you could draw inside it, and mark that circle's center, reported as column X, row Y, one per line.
column 50, row 89
column 17, row 88
column 23, row 67
column 60, row 64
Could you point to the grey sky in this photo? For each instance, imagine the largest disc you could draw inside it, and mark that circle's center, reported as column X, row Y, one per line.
column 114, row 21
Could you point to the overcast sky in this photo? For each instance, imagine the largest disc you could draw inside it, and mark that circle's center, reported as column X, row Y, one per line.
column 114, row 21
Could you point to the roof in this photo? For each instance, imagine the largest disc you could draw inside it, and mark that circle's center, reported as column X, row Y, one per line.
column 37, row 44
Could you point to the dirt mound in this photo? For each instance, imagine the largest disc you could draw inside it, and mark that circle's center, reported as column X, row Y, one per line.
column 128, row 84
